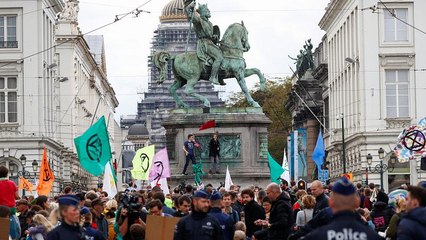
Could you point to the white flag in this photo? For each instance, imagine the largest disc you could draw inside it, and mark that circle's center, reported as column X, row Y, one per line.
column 228, row 180
column 109, row 185
column 286, row 173
column 163, row 185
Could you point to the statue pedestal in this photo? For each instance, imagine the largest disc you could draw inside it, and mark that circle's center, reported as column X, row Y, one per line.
column 243, row 138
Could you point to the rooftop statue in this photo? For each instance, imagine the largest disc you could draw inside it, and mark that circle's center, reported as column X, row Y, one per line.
column 305, row 59
column 70, row 11
column 214, row 60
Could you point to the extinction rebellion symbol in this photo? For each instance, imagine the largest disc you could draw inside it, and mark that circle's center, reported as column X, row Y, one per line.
column 144, row 161
column 94, row 148
column 414, row 140
column 160, row 169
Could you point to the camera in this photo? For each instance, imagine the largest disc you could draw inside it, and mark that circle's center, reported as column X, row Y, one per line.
column 131, row 203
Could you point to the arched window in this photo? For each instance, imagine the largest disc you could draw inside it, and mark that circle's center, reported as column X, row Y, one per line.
column 13, row 172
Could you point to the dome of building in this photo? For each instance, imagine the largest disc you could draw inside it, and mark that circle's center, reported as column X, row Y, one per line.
column 137, row 130
column 173, row 12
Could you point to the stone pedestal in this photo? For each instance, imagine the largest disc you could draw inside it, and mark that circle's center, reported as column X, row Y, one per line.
column 243, row 138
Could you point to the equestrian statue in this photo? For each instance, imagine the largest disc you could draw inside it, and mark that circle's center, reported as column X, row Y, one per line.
column 214, row 60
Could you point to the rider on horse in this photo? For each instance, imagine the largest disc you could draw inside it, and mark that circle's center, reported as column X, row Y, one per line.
column 207, row 38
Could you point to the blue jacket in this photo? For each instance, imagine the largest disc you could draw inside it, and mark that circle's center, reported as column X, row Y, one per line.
column 91, row 232
column 199, row 226
column 345, row 225
column 65, row 231
column 413, row 225
column 225, row 221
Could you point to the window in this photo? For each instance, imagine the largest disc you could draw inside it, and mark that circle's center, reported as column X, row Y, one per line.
column 8, row 37
column 396, row 30
column 396, row 93
column 8, row 100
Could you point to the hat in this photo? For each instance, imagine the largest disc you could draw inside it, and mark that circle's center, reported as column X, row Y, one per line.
column 201, row 194
column 216, row 196
column 22, row 201
column 97, row 201
column 84, row 210
column 70, row 200
column 344, row 187
column 422, row 184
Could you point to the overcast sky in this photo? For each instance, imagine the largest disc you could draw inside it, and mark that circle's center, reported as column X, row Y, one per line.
column 277, row 28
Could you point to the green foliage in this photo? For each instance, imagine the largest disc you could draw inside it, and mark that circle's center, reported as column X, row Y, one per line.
column 272, row 101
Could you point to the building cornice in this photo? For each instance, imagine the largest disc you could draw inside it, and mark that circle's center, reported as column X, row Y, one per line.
column 333, row 8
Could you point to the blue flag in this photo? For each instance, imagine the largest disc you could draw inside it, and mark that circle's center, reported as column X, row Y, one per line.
column 319, row 151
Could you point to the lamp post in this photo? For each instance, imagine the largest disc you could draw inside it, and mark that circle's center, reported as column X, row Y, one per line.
column 340, row 117
column 25, row 173
column 381, row 167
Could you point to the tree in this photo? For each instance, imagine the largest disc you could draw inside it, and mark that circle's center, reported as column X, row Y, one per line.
column 272, row 101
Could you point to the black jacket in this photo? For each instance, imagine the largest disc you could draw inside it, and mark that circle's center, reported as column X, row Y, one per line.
column 280, row 218
column 381, row 215
column 413, row 225
column 322, row 202
column 253, row 212
column 65, row 231
column 198, row 225
column 345, row 224
column 214, row 148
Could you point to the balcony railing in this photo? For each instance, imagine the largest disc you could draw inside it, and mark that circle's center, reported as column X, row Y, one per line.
column 9, row 44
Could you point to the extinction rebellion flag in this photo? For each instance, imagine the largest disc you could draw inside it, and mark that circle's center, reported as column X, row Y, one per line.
column 142, row 162
column 93, row 148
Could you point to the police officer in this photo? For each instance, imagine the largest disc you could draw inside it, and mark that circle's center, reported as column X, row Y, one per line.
column 225, row 221
column 199, row 224
column 345, row 224
column 70, row 213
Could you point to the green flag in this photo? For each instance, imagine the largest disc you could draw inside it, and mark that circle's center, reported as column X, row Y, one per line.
column 275, row 169
column 142, row 162
column 93, row 148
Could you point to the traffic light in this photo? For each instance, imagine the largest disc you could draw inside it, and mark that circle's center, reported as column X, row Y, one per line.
column 349, row 176
column 301, row 185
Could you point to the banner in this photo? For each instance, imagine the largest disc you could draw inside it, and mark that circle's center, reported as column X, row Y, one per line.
column 25, row 184
column 275, row 169
column 284, row 165
column 160, row 166
column 109, row 181
column 302, row 154
column 142, row 162
column 228, row 180
column 46, row 179
column 319, row 152
column 93, row 148
column 162, row 183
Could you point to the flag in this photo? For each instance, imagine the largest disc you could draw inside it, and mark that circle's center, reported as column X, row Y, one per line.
column 93, row 148
column 109, row 182
column 286, row 173
column 228, row 180
column 160, row 166
column 275, row 169
column 162, row 183
column 46, row 179
column 319, row 151
column 25, row 184
column 208, row 124
column 142, row 162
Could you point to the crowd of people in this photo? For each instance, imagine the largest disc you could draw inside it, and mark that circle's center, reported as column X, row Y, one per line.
column 339, row 211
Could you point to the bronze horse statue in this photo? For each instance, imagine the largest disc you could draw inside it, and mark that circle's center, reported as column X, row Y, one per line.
column 188, row 69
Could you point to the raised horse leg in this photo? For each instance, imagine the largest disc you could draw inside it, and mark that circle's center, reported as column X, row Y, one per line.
column 242, row 82
column 189, row 90
column 250, row 71
column 172, row 89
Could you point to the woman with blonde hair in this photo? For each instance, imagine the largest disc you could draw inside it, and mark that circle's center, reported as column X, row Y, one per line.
column 55, row 217
column 393, row 224
column 306, row 214
column 42, row 227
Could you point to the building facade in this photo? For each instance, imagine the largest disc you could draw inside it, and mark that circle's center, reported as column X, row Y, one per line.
column 52, row 86
column 375, row 86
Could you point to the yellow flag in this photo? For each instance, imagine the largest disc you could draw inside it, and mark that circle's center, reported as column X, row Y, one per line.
column 25, row 184
column 45, row 182
column 142, row 162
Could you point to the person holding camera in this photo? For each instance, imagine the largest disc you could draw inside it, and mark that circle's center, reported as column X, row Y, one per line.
column 129, row 214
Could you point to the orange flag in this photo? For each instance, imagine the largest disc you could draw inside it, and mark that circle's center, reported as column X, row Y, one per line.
column 45, row 182
column 25, row 184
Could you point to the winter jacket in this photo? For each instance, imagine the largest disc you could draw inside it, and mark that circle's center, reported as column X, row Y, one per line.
column 252, row 212
column 393, row 226
column 413, row 225
column 321, row 203
column 281, row 218
column 66, row 231
column 381, row 215
column 38, row 232
column 345, row 225
column 225, row 221
column 198, row 225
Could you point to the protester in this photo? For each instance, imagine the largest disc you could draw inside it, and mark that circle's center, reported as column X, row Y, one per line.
column 155, row 208
column 188, row 148
column 137, row 232
column 305, row 215
column 267, row 204
column 394, row 221
column 227, row 202
column 413, row 224
column 184, row 205
column 199, row 224
column 367, row 202
column 22, row 207
column 70, row 215
column 160, row 196
column 381, row 215
column 87, row 225
column 225, row 221
column 98, row 205
column 41, row 227
column 14, row 228
column 320, row 197
column 252, row 212
column 239, row 235
column 214, row 149
column 9, row 191
column 346, row 224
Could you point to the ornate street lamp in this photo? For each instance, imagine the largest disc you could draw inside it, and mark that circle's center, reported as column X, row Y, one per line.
column 381, row 167
column 25, row 173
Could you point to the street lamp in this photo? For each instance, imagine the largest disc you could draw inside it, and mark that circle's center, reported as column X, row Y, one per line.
column 340, row 117
column 381, row 167
column 25, row 173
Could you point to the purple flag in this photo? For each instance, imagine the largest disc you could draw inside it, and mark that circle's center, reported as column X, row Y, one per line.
column 160, row 166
